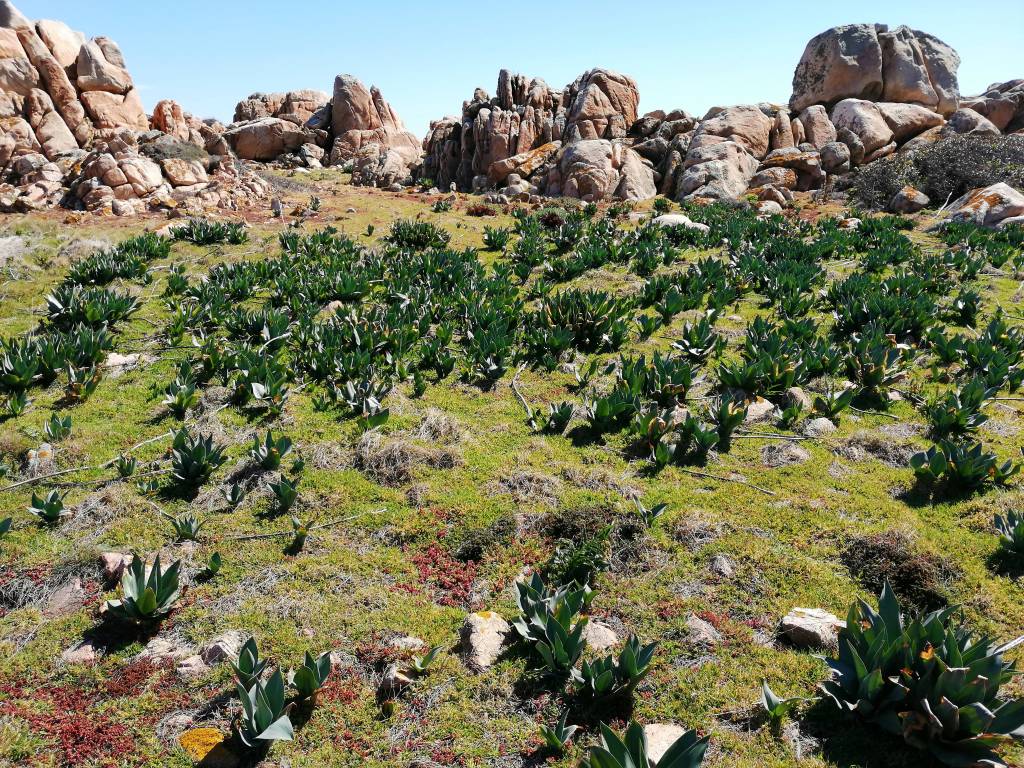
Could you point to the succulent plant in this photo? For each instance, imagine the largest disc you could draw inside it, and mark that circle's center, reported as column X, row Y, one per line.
column 5, row 526
column 194, row 459
column 420, row 664
column 556, row 737
column 928, row 680
column 308, row 679
column 49, row 508
column 146, row 598
column 57, row 427
column 630, row 750
column 777, row 708
column 249, row 667
column 213, row 564
column 1011, row 532
column 125, row 466
column 650, row 516
column 286, row 492
column 300, row 532
column 234, row 494
column 264, row 713
column 269, row 451
column 609, row 677
column 186, row 527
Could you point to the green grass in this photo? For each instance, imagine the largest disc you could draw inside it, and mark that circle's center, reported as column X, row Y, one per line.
column 375, row 576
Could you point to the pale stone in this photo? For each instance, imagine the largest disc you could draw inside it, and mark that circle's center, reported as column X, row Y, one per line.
column 483, row 637
column 600, row 637
column 811, row 628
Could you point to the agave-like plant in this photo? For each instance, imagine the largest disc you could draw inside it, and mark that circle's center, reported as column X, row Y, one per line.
column 308, row 679
column 1011, row 532
column 234, row 494
column 186, row 527
column 286, row 492
column 928, row 680
column 50, row 508
column 269, row 451
column 57, row 427
column 557, row 736
column 650, row 516
column 193, row 459
column 609, row 677
column 777, row 707
column 630, row 751
column 214, row 563
column 540, row 604
column 146, row 598
column 264, row 713
column 420, row 664
column 125, row 466
column 5, row 526
column 249, row 667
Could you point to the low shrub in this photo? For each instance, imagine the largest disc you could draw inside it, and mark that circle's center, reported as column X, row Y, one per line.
column 944, row 170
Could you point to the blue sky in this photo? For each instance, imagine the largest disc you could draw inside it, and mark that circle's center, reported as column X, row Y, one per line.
column 428, row 57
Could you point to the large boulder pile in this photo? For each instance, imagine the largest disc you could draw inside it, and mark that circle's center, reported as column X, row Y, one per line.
column 367, row 131
column 530, row 139
column 872, row 62
column 73, row 131
column 131, row 172
column 287, row 126
column 59, row 90
column 355, row 125
column 1002, row 105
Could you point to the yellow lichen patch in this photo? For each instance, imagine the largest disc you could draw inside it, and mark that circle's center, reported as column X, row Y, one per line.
column 200, row 742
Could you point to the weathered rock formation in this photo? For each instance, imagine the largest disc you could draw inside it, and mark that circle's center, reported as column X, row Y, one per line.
column 872, row 62
column 73, row 131
column 529, row 132
column 309, row 128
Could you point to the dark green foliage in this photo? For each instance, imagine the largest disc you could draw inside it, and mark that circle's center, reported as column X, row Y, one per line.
column 928, row 680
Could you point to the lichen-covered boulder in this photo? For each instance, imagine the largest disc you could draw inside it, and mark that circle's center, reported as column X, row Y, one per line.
column 601, row 104
column 870, row 61
column 989, row 206
column 720, row 171
column 265, row 139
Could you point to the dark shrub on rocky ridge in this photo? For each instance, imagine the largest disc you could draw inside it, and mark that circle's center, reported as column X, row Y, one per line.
column 944, row 170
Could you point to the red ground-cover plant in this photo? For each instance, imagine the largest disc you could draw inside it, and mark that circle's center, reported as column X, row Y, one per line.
column 69, row 721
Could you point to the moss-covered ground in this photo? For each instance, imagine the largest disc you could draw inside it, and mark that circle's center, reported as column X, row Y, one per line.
column 387, row 567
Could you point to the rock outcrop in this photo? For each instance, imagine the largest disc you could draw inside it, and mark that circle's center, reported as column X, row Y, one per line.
column 73, row 131
column 998, row 205
column 365, row 126
column 1002, row 104
column 572, row 142
column 872, row 62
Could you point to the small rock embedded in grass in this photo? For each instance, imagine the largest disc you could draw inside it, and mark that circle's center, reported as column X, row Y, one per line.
column 701, row 633
column 811, row 628
column 166, row 649
column 796, row 396
column 600, row 637
column 722, row 565
column 84, row 652
column 113, row 564
column 819, row 427
column 483, row 637
column 407, row 643
column 760, row 410
column 223, row 647
column 661, row 736
column 66, row 600
column 783, row 455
